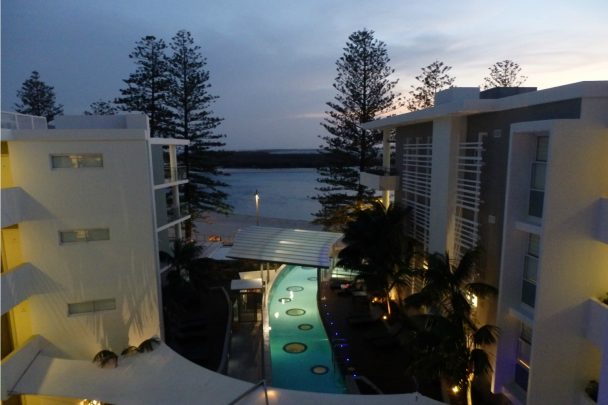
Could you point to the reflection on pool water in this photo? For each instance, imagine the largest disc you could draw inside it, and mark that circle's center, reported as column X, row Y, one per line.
column 299, row 349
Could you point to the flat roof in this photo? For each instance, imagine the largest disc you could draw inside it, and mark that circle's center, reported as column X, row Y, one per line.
column 469, row 106
column 289, row 246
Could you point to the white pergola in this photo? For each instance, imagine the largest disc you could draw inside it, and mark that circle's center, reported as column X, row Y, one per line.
column 286, row 246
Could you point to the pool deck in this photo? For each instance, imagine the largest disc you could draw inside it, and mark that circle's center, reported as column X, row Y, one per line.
column 383, row 364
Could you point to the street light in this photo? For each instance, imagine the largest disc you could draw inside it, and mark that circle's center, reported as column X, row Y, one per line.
column 257, row 208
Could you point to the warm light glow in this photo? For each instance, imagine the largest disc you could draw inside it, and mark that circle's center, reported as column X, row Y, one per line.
column 472, row 298
column 455, row 389
column 384, row 317
column 257, row 197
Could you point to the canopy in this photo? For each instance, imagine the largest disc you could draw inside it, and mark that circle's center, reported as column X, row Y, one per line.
column 289, row 246
column 164, row 377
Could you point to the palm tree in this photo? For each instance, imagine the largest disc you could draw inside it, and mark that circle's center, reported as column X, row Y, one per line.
column 447, row 343
column 377, row 245
column 184, row 253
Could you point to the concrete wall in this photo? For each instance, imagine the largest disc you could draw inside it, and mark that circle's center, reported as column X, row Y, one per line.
column 117, row 196
column 573, row 266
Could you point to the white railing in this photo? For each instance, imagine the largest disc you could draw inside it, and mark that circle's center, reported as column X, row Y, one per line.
column 468, row 191
column 416, row 185
column 10, row 120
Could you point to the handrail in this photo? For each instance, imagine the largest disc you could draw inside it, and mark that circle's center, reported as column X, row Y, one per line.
column 225, row 352
column 250, row 390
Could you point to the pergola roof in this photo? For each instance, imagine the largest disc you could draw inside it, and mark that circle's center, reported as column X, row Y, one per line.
column 289, row 246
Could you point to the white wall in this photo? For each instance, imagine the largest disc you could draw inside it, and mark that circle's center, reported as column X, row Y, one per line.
column 573, row 266
column 446, row 137
column 117, row 196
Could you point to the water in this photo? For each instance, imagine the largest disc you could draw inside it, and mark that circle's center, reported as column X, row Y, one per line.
column 284, row 193
column 309, row 367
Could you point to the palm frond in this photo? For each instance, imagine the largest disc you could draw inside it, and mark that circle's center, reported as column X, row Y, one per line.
column 148, row 345
column 104, row 358
column 481, row 289
column 129, row 351
column 486, row 335
column 480, row 362
column 467, row 266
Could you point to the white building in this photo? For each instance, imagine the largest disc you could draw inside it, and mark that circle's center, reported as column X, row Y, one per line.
column 86, row 207
column 525, row 174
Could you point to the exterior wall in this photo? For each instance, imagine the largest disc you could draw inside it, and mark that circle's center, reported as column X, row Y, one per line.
column 497, row 126
column 572, row 262
column 447, row 133
column 117, row 196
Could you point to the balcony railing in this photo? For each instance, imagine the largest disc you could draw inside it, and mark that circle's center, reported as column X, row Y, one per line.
column 175, row 173
column 175, row 213
column 379, row 178
column 9, row 120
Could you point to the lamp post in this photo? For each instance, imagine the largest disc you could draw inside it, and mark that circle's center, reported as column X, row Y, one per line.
column 257, row 208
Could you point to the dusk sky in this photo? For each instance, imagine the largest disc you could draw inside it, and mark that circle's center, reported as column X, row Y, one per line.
column 272, row 63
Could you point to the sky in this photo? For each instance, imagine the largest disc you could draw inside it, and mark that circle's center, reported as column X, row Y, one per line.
column 272, row 63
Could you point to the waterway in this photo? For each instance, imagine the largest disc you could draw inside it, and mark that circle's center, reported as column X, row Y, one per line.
column 284, row 193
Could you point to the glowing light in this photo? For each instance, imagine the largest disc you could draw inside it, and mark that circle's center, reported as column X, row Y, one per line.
column 276, row 315
column 455, row 389
column 384, row 317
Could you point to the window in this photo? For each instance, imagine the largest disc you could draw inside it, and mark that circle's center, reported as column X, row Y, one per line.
column 84, row 235
column 528, row 292
column 92, row 306
column 537, row 181
column 524, row 348
column 76, row 161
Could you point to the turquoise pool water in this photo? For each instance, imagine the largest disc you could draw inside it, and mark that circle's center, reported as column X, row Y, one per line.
column 300, row 352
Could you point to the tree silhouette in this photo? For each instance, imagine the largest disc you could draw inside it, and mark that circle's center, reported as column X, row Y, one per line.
column 38, row 98
column 505, row 73
column 363, row 91
column 189, row 98
column 147, row 88
column 434, row 77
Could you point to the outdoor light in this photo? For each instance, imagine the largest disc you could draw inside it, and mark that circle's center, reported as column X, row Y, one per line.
column 455, row 389
column 257, row 208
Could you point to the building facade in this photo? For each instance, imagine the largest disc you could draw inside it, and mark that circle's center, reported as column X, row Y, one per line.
column 86, row 208
column 522, row 173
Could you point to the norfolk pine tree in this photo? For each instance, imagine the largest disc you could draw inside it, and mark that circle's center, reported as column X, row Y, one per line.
column 504, row 74
column 147, row 88
column 101, row 107
column 434, row 77
column 38, row 98
column 189, row 99
column 363, row 91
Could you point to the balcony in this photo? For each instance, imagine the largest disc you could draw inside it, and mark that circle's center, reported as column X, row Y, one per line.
column 170, row 174
column 379, row 179
column 596, row 328
column 12, row 206
column 171, row 214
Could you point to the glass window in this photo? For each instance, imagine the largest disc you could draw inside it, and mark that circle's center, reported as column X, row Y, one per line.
column 538, row 176
column 91, row 306
column 535, row 207
column 533, row 245
column 76, row 161
column 84, row 235
column 542, row 148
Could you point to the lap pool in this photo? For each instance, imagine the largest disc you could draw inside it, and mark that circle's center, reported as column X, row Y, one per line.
column 300, row 352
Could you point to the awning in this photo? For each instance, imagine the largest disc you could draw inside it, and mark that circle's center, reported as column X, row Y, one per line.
column 164, row 377
column 289, row 246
